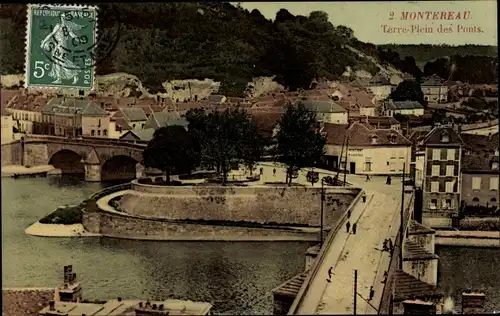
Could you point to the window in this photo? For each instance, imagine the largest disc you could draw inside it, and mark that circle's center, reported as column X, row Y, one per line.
column 436, row 154
column 133, row 125
column 493, row 200
column 450, row 170
column 494, row 183
column 447, row 203
column 450, row 154
column 433, row 204
column 476, row 183
column 368, row 166
column 449, row 187
column 92, row 133
column 435, row 170
column 393, row 154
column 105, row 132
column 374, row 139
column 434, row 186
column 475, row 201
column 98, row 132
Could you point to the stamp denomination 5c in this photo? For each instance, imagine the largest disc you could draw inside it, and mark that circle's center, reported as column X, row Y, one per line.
column 61, row 42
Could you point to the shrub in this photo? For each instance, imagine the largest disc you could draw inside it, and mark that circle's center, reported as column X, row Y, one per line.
column 65, row 216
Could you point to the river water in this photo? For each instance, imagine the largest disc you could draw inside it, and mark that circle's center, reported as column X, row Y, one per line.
column 236, row 277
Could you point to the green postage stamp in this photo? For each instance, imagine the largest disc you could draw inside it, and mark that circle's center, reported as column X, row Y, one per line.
column 61, row 42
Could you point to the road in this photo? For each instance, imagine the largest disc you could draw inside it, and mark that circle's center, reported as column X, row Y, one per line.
column 360, row 251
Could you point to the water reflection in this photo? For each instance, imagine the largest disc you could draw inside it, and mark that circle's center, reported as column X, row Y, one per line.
column 235, row 277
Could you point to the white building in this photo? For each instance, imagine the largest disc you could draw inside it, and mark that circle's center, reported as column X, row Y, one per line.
column 434, row 89
column 369, row 150
column 390, row 108
column 327, row 111
column 7, row 127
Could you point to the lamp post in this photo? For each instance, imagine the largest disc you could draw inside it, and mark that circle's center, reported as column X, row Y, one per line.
column 322, row 202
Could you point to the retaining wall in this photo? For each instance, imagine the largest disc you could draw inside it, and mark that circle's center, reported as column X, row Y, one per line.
column 11, row 154
column 260, row 204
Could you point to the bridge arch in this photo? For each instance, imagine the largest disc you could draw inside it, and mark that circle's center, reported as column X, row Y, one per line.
column 68, row 161
column 120, row 167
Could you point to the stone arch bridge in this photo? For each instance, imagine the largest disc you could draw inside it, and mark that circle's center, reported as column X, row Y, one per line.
column 99, row 159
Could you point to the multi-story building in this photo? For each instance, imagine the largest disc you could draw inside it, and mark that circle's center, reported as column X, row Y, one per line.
column 7, row 131
column 434, row 89
column 441, row 185
column 369, row 150
column 26, row 113
column 71, row 117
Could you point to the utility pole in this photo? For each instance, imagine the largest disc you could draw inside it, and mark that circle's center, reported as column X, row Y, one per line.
column 355, row 290
column 322, row 202
column 401, row 231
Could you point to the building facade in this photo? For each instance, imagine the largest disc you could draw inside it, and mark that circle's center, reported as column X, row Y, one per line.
column 327, row 111
column 434, row 90
column 391, row 108
column 7, row 128
column 369, row 151
column 441, row 185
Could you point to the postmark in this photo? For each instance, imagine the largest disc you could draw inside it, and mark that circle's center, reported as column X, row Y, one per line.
column 62, row 48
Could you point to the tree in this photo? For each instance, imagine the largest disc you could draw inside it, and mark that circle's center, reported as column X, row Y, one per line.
column 225, row 138
column 299, row 142
column 408, row 90
column 171, row 151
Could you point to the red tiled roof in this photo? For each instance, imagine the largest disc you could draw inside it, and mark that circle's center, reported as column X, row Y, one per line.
column 7, row 95
column 122, row 122
column 360, row 135
column 28, row 103
column 380, row 121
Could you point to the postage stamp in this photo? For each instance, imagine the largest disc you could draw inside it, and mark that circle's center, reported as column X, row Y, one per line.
column 61, row 42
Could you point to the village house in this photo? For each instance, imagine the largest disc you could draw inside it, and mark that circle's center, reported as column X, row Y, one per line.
column 327, row 111
column 391, row 108
column 441, row 171
column 26, row 113
column 356, row 98
column 163, row 119
column 369, row 151
column 479, row 171
column 72, row 117
column 434, row 89
column 138, row 135
column 380, row 86
column 378, row 122
column 135, row 117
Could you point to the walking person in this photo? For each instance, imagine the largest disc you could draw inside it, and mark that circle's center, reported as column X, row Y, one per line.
column 329, row 274
column 354, row 228
column 261, row 171
column 368, row 177
column 349, row 214
column 274, row 172
column 389, row 180
column 348, row 225
column 372, row 292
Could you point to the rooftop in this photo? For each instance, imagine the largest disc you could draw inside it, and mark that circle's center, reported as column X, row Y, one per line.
column 162, row 119
column 403, row 105
column 323, row 106
column 416, row 228
column 291, row 287
column 443, row 136
column 33, row 103
column 360, row 135
column 141, row 134
column 407, row 286
column 74, row 106
column 266, row 121
column 133, row 114
column 413, row 251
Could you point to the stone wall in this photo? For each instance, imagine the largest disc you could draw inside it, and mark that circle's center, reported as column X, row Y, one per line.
column 11, row 154
column 260, row 204
column 119, row 226
column 426, row 241
column 423, row 270
column 25, row 302
column 35, row 154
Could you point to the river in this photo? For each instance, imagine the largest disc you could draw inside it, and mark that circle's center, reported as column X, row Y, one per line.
column 236, row 277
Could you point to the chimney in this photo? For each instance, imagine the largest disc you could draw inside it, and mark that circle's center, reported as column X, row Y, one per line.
column 52, row 306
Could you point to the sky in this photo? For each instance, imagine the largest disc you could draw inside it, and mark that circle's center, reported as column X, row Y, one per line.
column 371, row 21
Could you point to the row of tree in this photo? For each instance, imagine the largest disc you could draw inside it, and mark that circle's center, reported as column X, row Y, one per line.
column 221, row 140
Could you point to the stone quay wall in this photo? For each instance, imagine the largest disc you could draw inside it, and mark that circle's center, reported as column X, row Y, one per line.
column 281, row 205
column 11, row 154
column 128, row 227
column 25, row 301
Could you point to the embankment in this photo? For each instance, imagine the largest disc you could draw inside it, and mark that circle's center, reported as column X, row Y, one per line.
column 468, row 238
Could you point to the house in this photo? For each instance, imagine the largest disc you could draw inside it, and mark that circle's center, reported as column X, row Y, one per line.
column 434, row 89
column 356, row 98
column 480, row 181
column 7, row 127
column 327, row 111
column 72, row 117
column 441, row 188
column 369, row 151
column 26, row 111
column 163, row 119
column 135, row 117
column 390, row 108
column 266, row 122
column 380, row 86
column 139, row 135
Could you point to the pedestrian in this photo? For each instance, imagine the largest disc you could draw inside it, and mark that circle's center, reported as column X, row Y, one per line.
column 391, row 246
column 349, row 214
column 274, row 172
column 348, row 225
column 389, row 180
column 385, row 247
column 354, row 228
column 372, row 292
column 329, row 274
column 368, row 177
column 261, row 171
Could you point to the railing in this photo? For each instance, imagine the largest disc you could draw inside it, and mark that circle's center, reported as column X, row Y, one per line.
column 321, row 257
column 86, row 141
column 385, row 302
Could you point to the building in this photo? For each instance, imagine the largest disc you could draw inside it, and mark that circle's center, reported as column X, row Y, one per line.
column 479, row 172
column 377, row 122
column 134, row 117
column 380, row 86
column 356, row 97
column 434, row 89
column 391, row 108
column 139, row 135
column 327, row 111
column 369, row 151
column 71, row 117
column 441, row 186
column 7, row 127
column 26, row 111
column 162, row 119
